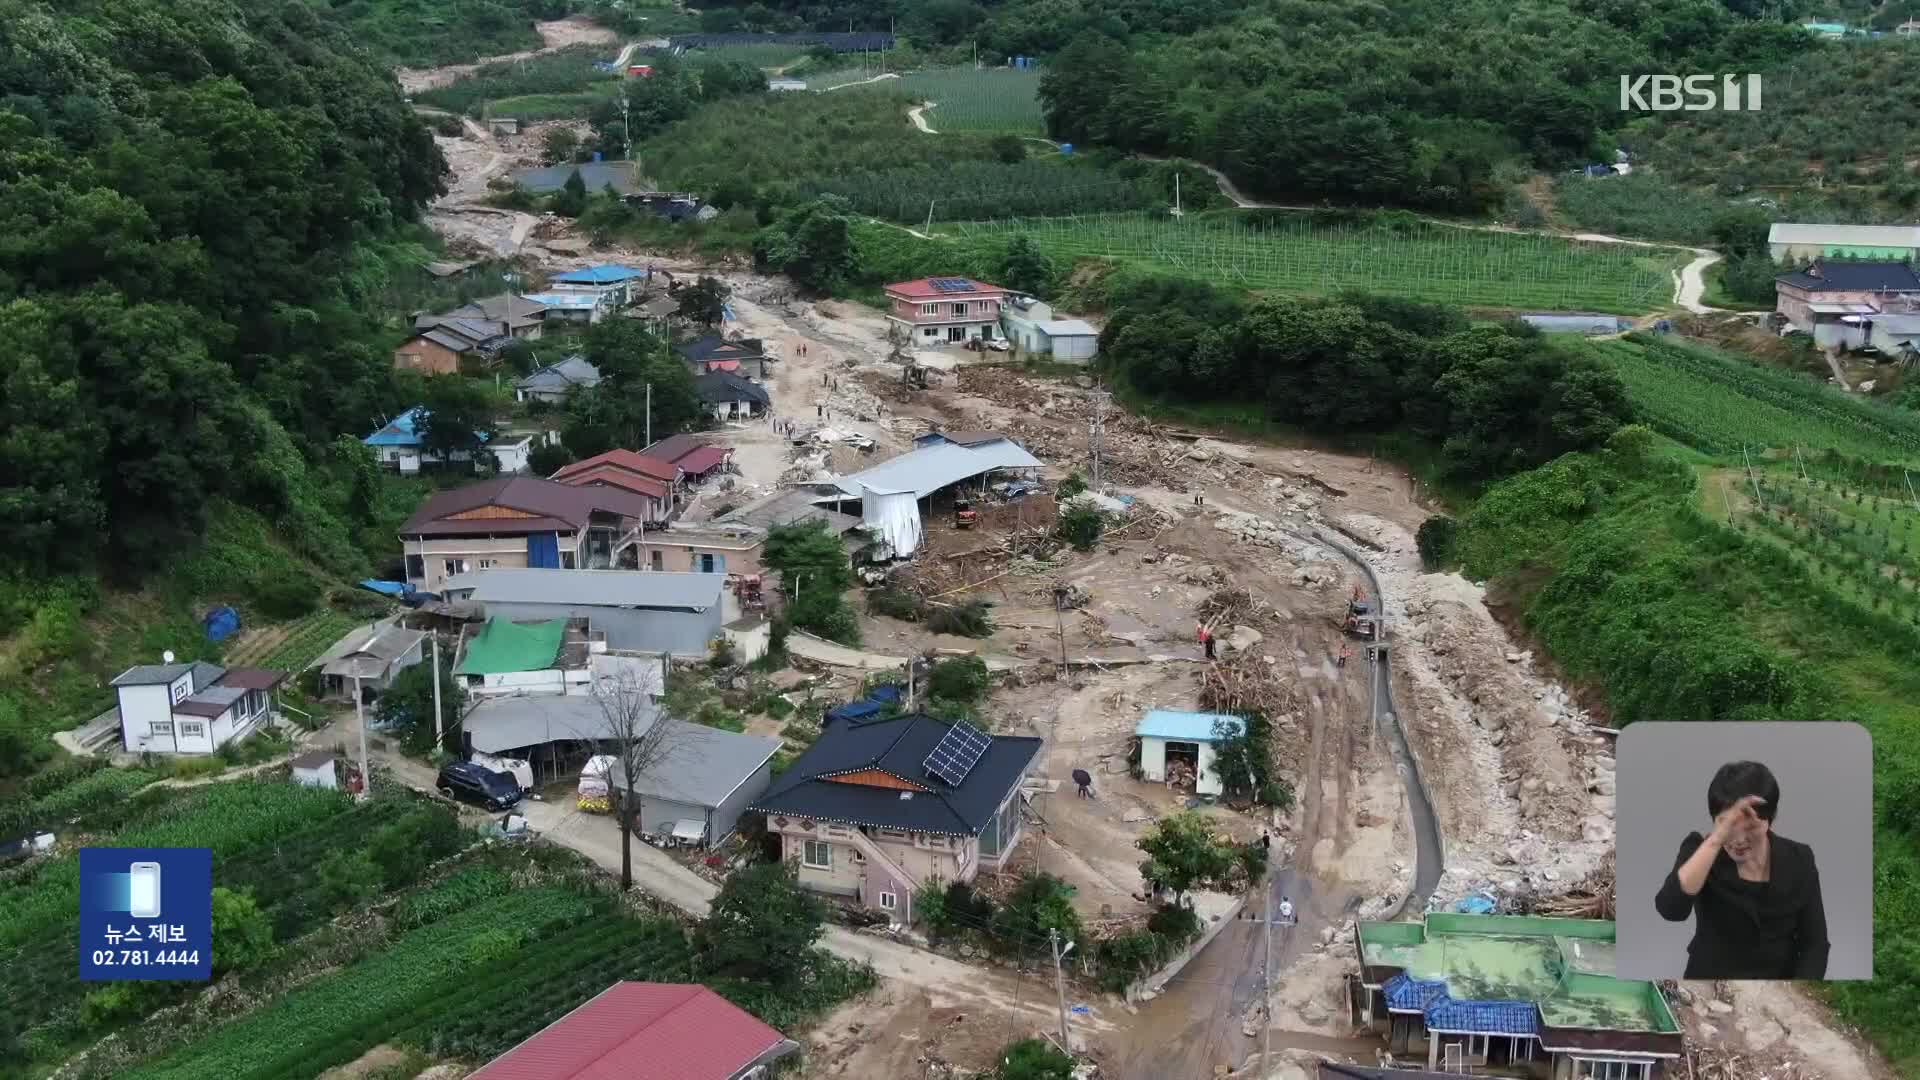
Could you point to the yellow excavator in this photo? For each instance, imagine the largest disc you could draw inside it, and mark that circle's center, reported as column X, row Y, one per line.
column 1362, row 621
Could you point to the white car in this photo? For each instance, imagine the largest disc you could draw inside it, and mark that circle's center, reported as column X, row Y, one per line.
column 999, row 345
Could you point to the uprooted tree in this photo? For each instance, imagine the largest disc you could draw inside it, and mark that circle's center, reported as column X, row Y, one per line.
column 643, row 737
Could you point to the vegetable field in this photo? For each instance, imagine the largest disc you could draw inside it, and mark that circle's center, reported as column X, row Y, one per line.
column 1405, row 257
column 308, row 638
column 1718, row 403
column 1864, row 546
column 996, row 101
column 765, row 57
column 966, row 190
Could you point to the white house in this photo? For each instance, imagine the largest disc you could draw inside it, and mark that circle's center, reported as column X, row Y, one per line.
column 1168, row 736
column 1032, row 325
column 191, row 708
column 581, row 306
column 315, row 769
column 399, row 446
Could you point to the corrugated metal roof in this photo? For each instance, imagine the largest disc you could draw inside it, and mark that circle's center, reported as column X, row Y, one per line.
column 1183, row 726
column 1069, row 328
column 704, row 460
column 592, row 588
column 369, row 654
column 212, row 701
column 572, row 301
column 931, row 468
column 573, row 371
column 204, row 674
column 511, row 721
column 644, row 1031
column 447, row 339
column 1846, row 235
column 631, row 460
column 703, row 766
column 603, row 274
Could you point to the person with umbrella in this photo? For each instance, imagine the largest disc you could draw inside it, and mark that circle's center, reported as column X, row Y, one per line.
column 1085, row 781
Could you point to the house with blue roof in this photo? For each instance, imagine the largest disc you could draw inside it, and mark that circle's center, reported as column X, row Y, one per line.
column 1514, row 995
column 398, row 445
column 1192, row 739
column 621, row 285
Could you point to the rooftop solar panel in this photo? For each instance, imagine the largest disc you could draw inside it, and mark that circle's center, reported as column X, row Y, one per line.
column 960, row 749
column 952, row 284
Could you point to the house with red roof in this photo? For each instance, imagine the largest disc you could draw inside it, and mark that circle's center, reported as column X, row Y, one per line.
column 522, row 521
column 646, row 1031
column 648, row 477
column 944, row 310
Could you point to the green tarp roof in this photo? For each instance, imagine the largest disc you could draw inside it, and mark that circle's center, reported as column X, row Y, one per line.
column 506, row 646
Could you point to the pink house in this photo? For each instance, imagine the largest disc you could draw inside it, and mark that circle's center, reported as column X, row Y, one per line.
column 1836, row 300
column 943, row 310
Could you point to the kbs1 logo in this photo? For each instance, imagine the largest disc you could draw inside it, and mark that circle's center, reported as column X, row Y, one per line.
column 1690, row 93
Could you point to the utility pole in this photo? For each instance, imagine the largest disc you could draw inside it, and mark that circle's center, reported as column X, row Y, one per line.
column 1060, row 623
column 1266, row 991
column 360, row 717
column 649, row 416
column 436, row 690
column 1096, row 426
column 1060, row 984
column 626, row 127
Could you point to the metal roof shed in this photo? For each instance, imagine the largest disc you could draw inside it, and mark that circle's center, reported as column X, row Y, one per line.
column 1162, row 729
column 649, row 611
column 645, row 1031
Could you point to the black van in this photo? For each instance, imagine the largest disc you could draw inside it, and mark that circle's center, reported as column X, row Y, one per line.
column 472, row 783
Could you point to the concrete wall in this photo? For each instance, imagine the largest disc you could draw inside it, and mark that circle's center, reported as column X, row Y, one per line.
column 841, row 879
column 140, row 706
column 1075, row 348
column 507, row 552
column 650, row 630
column 658, row 815
column 550, row 681
column 684, row 556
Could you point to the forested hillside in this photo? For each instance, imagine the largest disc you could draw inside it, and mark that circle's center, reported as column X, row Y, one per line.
column 198, row 200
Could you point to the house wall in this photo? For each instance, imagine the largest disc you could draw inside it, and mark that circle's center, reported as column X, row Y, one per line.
column 652, row 630
column 944, row 333
column 514, row 457
column 1792, row 301
column 1075, row 348
column 426, row 357
column 658, row 815
column 980, row 308
column 925, row 858
column 506, row 552
column 1153, row 759
column 548, row 681
column 1831, row 333
column 190, row 743
column 750, row 643
column 841, row 879
column 685, row 558
column 140, row 708
column 726, row 816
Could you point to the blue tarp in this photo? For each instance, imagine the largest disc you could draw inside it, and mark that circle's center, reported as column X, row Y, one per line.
column 543, row 551
column 387, row 588
column 868, row 707
column 222, row 623
column 1479, row 904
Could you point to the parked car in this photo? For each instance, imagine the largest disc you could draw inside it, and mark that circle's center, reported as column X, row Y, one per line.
column 467, row 782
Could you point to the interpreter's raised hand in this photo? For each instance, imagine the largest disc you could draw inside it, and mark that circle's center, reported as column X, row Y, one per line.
column 1738, row 818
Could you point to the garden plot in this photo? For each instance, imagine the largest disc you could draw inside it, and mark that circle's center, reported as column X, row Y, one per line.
column 1409, row 258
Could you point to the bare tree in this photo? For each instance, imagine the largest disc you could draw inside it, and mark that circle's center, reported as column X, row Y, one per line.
column 643, row 738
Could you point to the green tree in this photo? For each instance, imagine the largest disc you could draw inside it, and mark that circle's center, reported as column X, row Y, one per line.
column 813, row 244
column 571, row 200
column 704, row 301
column 1038, row 905
column 960, row 679
column 242, row 935
column 1026, row 268
column 762, row 927
column 814, row 575
column 458, row 417
column 1435, row 540
column 560, row 146
column 1081, row 525
column 1183, row 854
column 407, row 705
column 1009, row 149
column 549, row 458
column 614, row 413
column 1034, row 1059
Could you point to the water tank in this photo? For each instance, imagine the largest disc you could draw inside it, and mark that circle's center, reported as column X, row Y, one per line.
column 1066, row 148
column 596, row 155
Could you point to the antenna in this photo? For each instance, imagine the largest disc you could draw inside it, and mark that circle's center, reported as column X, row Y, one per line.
column 167, row 657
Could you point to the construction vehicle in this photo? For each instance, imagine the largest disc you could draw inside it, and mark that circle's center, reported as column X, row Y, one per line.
column 746, row 590
column 964, row 515
column 1361, row 619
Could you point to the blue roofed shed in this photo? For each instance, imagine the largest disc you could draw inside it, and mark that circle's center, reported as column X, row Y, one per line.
column 1179, row 747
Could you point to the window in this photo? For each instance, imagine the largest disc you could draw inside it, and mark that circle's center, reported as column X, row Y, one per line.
column 162, row 727
column 566, row 560
column 818, row 855
column 193, row 729
column 956, row 333
column 706, row 564
column 960, row 309
column 486, row 564
column 180, row 691
column 929, row 309
column 456, row 566
column 658, row 562
column 931, row 331
column 416, row 567
column 1610, row 1069
column 888, row 901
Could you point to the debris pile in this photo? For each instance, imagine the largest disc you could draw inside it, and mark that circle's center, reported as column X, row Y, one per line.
column 1719, row 1063
column 1228, row 606
column 1590, row 898
column 1245, row 683
column 1180, row 774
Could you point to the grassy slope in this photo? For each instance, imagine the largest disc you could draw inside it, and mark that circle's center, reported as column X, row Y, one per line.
column 1626, row 569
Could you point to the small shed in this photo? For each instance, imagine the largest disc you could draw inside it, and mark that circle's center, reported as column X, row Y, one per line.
column 315, row 769
column 1171, row 739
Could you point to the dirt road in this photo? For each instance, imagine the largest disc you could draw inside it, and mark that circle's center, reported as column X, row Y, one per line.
column 555, row 35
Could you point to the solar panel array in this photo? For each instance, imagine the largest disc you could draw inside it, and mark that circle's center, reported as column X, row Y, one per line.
column 951, row 284
column 959, row 751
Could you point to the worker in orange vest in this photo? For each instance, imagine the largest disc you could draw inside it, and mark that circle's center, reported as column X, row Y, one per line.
column 1206, row 639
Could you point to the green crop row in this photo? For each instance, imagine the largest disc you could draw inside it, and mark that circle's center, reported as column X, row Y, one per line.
column 340, row 1017
column 310, row 637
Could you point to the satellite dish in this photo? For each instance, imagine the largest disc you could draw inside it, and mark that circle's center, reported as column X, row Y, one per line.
column 167, row 657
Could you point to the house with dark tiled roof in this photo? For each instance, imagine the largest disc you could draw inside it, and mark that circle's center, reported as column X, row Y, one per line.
column 400, row 445
column 522, row 521
column 693, row 456
column 1516, row 994
column 191, row 708
column 732, row 396
column 1837, row 300
column 555, row 382
column 711, row 352
column 649, row 477
column 878, row 807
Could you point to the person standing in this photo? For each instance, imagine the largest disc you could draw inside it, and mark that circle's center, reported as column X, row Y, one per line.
column 1206, row 639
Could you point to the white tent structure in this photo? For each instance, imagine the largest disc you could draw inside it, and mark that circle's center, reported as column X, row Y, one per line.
column 891, row 491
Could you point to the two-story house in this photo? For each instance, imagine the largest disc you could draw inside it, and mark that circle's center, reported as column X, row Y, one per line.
column 1836, row 300
column 711, row 353
column 650, row 478
column 521, row 521
column 877, row 808
column 936, row 311
column 191, row 708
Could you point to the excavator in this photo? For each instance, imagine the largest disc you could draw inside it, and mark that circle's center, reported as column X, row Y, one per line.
column 964, row 515
column 1361, row 622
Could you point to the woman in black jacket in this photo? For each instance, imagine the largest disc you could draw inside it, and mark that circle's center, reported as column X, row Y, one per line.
column 1754, row 895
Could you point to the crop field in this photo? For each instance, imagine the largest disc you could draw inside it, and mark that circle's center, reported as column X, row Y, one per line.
column 996, row 101
column 1718, row 403
column 765, row 57
column 1419, row 260
column 1864, row 546
column 567, row 74
column 965, row 190
column 308, row 638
